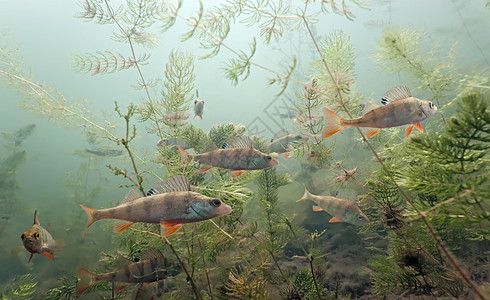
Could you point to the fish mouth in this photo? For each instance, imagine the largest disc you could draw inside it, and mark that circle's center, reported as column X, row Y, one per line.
column 224, row 210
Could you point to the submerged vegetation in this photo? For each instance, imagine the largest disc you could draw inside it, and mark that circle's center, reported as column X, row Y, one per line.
column 425, row 195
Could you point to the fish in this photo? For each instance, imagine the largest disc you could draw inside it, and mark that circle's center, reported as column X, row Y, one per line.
column 37, row 239
column 151, row 267
column 399, row 108
column 105, row 151
column 170, row 204
column 173, row 142
column 281, row 141
column 340, row 209
column 237, row 156
column 198, row 106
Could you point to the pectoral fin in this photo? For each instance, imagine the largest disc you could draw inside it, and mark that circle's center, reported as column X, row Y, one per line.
column 335, row 220
column 49, row 255
column 236, row 173
column 317, row 208
column 121, row 226
column 168, row 228
column 286, row 155
column 372, row 132
column 409, row 130
column 419, row 127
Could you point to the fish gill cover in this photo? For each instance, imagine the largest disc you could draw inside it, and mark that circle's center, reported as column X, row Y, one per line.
column 426, row 197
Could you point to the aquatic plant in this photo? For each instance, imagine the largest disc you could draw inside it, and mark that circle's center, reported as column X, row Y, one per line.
column 407, row 50
column 449, row 177
column 20, row 288
column 66, row 290
column 14, row 155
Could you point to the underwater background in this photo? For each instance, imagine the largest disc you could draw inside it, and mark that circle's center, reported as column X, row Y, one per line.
column 264, row 69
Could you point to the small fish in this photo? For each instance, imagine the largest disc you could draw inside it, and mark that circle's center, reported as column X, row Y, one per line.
column 153, row 266
column 173, row 142
column 341, row 210
column 105, row 151
column 198, row 106
column 399, row 108
column 281, row 141
column 36, row 239
column 171, row 203
column 237, row 155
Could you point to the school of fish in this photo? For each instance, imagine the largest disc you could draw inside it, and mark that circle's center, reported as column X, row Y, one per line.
column 172, row 203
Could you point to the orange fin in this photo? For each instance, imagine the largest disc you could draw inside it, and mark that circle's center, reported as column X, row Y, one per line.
column 335, row 220
column 286, row 155
column 334, row 123
column 183, row 154
column 419, row 127
column 305, row 195
column 90, row 215
column 372, row 132
column 87, row 279
column 121, row 226
column 204, row 169
column 121, row 287
column 200, row 116
column 317, row 208
column 408, row 130
column 236, row 173
column 48, row 255
column 30, row 258
column 168, row 229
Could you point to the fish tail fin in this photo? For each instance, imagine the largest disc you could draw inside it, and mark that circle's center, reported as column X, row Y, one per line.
column 183, row 154
column 305, row 195
column 90, row 215
column 87, row 279
column 334, row 123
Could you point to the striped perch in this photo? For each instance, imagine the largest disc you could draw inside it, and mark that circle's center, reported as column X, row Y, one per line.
column 153, row 266
column 171, row 204
column 341, row 210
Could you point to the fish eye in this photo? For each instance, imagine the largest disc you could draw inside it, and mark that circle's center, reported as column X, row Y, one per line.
column 359, row 217
column 430, row 104
column 36, row 235
column 268, row 157
column 22, row 237
column 215, row 202
column 195, row 101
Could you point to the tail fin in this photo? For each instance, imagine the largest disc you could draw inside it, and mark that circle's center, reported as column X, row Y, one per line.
column 305, row 195
column 183, row 154
column 87, row 279
column 90, row 215
column 334, row 123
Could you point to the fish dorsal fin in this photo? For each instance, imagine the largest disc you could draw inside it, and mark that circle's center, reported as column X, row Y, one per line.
column 239, row 142
column 174, row 184
column 131, row 196
column 150, row 253
column 398, row 93
column 197, row 93
column 280, row 134
column 36, row 219
column 48, row 227
column 369, row 107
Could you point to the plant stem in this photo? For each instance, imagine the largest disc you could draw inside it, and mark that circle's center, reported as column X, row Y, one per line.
column 113, row 17
column 193, row 285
